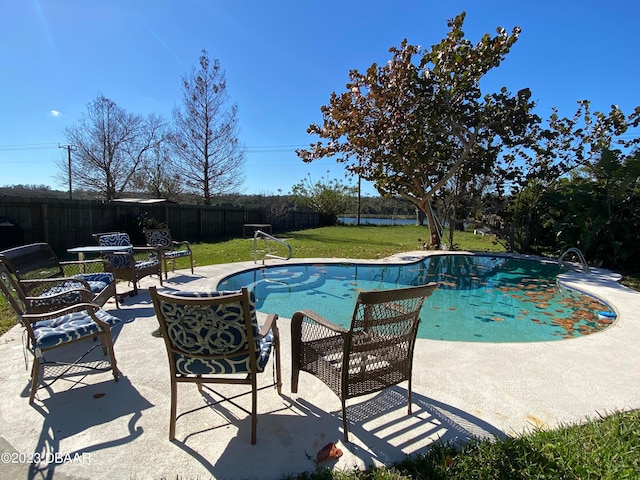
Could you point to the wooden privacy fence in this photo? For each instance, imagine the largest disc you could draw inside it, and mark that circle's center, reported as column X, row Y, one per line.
column 67, row 223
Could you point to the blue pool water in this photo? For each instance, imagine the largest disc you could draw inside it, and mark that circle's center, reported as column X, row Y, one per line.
column 480, row 298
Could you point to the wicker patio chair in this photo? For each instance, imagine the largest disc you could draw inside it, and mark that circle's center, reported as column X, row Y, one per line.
column 213, row 337
column 56, row 329
column 169, row 249
column 376, row 352
column 41, row 275
column 124, row 265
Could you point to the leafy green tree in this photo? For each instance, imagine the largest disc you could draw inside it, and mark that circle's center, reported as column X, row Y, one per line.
column 205, row 134
column 409, row 125
column 328, row 197
column 598, row 210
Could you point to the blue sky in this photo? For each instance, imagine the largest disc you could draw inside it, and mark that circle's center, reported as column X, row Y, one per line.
column 282, row 60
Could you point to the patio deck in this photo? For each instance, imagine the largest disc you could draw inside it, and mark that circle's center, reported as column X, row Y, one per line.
column 110, row 430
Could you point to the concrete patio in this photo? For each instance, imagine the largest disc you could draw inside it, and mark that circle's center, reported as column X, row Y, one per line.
column 106, row 429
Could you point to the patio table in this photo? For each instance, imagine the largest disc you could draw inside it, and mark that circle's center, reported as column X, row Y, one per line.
column 97, row 249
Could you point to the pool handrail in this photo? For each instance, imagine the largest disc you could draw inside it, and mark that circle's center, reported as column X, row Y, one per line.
column 260, row 233
column 579, row 255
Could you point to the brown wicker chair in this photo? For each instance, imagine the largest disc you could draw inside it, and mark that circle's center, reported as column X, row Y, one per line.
column 213, row 337
column 376, row 352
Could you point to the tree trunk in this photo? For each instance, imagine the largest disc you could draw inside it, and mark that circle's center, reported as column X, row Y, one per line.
column 436, row 240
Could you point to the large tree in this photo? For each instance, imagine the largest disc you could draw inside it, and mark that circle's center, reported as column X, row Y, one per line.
column 110, row 145
column 410, row 125
column 205, row 134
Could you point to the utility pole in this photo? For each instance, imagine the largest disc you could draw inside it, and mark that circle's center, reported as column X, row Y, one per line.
column 68, row 148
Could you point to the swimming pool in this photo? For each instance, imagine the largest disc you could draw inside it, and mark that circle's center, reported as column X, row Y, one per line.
column 480, row 298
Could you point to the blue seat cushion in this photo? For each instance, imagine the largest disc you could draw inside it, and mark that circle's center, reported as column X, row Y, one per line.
column 70, row 327
column 188, row 365
column 141, row 264
column 177, row 253
column 97, row 282
column 214, row 331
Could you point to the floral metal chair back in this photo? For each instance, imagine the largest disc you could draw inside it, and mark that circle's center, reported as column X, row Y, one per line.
column 213, row 338
column 159, row 237
column 116, row 240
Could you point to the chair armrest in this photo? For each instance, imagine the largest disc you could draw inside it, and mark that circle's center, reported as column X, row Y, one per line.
column 181, row 243
column 68, row 263
column 78, row 307
column 269, row 324
column 149, row 248
column 85, row 294
column 31, row 284
column 319, row 319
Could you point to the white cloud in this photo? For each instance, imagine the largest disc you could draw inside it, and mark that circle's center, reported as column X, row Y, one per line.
column 55, row 113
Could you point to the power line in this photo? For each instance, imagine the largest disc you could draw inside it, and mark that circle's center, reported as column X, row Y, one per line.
column 28, row 146
column 253, row 149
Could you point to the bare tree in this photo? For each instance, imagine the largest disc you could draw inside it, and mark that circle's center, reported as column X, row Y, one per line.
column 204, row 138
column 110, row 145
column 159, row 178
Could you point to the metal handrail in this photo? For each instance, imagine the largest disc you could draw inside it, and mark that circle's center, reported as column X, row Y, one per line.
column 581, row 259
column 260, row 233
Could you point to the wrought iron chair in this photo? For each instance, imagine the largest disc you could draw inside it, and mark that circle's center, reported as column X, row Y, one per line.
column 124, row 265
column 215, row 338
column 42, row 276
column 376, row 352
column 58, row 328
column 169, row 249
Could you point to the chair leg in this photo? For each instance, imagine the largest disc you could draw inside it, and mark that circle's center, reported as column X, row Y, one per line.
column 409, row 398
column 108, row 340
column 345, row 425
column 35, row 378
column 278, row 373
column 296, row 335
column 295, row 374
column 276, row 334
column 172, row 416
column 254, row 409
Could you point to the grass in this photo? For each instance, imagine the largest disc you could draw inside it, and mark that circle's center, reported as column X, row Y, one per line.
column 356, row 242
column 604, row 448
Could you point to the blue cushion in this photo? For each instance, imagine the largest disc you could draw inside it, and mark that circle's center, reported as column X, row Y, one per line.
column 146, row 264
column 71, row 295
column 97, row 281
column 214, row 330
column 188, row 365
column 177, row 253
column 73, row 326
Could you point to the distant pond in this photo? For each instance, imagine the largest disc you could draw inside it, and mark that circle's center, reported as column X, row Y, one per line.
column 378, row 221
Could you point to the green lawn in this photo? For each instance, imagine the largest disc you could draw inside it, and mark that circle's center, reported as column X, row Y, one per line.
column 605, row 448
